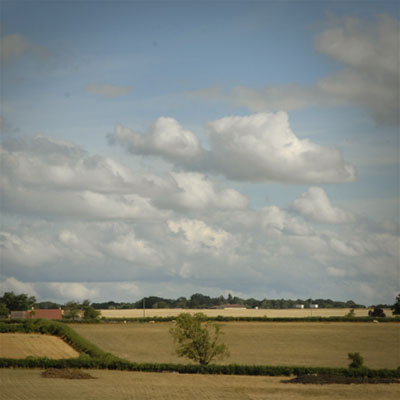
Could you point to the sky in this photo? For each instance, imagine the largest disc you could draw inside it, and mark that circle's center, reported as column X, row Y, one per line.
column 177, row 147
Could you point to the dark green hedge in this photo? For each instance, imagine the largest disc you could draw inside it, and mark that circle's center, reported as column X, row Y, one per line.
column 231, row 369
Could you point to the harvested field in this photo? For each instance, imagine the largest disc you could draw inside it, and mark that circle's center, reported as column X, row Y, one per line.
column 271, row 313
column 22, row 345
column 110, row 385
column 271, row 343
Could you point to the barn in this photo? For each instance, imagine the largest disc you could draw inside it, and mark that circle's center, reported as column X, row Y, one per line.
column 36, row 314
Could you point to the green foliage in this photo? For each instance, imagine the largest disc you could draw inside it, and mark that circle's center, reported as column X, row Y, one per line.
column 21, row 302
column 396, row 306
column 377, row 312
column 4, row 311
column 350, row 314
column 72, row 310
column 192, row 333
column 89, row 312
column 356, row 360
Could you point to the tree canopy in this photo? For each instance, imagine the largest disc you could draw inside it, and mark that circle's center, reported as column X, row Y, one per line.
column 20, row 302
column 198, row 339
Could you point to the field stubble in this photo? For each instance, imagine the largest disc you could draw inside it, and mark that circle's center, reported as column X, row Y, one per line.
column 110, row 385
column 239, row 312
column 21, row 345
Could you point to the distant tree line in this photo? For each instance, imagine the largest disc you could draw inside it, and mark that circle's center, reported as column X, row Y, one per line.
column 199, row 301
column 22, row 302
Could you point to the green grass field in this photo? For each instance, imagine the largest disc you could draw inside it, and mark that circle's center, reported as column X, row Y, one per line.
column 291, row 343
column 115, row 385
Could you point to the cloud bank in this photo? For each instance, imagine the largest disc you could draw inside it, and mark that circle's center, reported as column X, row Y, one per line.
column 368, row 75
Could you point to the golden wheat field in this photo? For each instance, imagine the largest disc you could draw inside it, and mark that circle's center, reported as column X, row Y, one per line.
column 271, row 343
column 21, row 345
column 20, row 384
column 238, row 312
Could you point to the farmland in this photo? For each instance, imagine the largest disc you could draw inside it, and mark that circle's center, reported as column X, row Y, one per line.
column 21, row 345
column 110, row 385
column 291, row 343
column 238, row 312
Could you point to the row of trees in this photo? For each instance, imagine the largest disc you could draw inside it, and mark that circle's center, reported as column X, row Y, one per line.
column 12, row 302
column 72, row 310
column 199, row 301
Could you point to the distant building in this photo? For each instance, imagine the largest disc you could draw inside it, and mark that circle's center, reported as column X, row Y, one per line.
column 313, row 305
column 227, row 306
column 300, row 306
column 36, row 314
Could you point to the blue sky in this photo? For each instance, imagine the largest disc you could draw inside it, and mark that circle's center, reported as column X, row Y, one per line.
column 167, row 148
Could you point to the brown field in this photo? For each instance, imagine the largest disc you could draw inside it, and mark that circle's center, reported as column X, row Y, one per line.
column 22, row 345
column 110, row 385
column 271, row 343
column 272, row 313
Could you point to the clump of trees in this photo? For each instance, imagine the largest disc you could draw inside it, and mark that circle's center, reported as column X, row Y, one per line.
column 74, row 311
column 377, row 312
column 198, row 339
column 13, row 302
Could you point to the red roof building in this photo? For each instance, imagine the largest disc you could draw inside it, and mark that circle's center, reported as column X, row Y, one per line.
column 36, row 314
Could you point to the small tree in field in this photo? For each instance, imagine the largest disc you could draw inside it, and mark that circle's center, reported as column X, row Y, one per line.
column 356, row 360
column 396, row 306
column 192, row 334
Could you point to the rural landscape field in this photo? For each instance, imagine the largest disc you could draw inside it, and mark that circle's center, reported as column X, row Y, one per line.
column 271, row 343
column 240, row 312
column 113, row 385
column 21, row 345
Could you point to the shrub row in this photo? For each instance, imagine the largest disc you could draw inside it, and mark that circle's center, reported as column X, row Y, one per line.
column 231, row 369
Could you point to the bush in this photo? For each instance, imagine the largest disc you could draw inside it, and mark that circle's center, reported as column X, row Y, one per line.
column 356, row 360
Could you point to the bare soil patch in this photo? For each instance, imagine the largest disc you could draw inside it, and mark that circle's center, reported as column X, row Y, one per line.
column 325, row 379
column 66, row 374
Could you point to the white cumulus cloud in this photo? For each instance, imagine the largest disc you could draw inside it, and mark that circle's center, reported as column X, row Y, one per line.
column 315, row 205
column 262, row 147
column 166, row 138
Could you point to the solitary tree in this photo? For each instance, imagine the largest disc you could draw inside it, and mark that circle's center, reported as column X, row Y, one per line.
column 192, row 334
column 396, row 306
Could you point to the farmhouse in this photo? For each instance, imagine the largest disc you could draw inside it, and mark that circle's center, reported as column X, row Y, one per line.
column 36, row 314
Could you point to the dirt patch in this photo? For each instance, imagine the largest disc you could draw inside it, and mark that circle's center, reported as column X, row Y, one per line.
column 66, row 374
column 328, row 379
